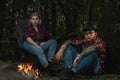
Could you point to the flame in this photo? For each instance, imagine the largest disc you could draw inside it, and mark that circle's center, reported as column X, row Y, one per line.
column 28, row 67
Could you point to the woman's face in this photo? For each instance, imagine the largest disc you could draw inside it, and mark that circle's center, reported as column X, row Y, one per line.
column 35, row 21
column 90, row 35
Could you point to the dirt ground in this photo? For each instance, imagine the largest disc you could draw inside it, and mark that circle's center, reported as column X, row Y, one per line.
column 8, row 71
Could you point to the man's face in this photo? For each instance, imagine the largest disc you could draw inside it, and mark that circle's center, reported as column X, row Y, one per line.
column 90, row 35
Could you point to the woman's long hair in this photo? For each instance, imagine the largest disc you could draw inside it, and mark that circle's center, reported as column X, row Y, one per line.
column 35, row 14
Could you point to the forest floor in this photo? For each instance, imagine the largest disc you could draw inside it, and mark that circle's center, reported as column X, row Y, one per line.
column 8, row 71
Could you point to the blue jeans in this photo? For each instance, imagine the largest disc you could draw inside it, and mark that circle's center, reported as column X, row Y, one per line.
column 49, row 45
column 90, row 60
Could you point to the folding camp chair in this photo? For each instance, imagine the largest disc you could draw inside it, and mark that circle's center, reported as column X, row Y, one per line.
column 20, row 24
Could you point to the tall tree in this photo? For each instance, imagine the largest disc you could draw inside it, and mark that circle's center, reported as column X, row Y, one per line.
column 2, row 18
column 69, row 17
column 46, row 13
column 53, row 17
column 89, row 15
column 111, row 30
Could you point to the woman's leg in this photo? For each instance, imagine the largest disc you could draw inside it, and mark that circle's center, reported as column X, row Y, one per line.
column 51, row 46
column 36, row 51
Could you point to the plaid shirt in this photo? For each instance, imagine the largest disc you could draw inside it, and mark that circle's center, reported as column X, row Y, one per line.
column 100, row 49
column 41, row 35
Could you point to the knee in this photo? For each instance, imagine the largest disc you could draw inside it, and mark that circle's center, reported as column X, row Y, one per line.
column 94, row 57
column 53, row 41
column 94, row 53
column 69, row 48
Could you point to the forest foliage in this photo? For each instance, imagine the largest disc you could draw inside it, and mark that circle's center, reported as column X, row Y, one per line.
column 63, row 17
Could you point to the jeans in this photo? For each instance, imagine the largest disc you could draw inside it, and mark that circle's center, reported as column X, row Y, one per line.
column 49, row 45
column 86, row 62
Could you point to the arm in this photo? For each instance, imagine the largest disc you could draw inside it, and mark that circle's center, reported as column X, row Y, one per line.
column 65, row 44
column 97, row 46
column 68, row 42
column 60, row 52
column 87, row 51
column 32, row 42
column 76, row 42
column 27, row 37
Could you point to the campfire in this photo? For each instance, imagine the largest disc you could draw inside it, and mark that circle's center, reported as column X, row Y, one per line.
column 28, row 71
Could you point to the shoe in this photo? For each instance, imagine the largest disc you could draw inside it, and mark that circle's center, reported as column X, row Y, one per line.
column 53, row 62
column 67, row 75
column 52, row 69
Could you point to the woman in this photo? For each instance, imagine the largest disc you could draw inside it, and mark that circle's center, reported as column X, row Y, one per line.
column 38, row 40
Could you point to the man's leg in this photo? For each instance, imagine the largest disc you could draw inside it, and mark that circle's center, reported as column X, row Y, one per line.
column 36, row 51
column 86, row 62
column 51, row 45
column 69, row 55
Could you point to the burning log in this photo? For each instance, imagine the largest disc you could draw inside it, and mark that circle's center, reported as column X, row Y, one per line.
column 28, row 71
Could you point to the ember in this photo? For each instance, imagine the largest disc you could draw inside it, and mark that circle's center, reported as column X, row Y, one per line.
column 28, row 71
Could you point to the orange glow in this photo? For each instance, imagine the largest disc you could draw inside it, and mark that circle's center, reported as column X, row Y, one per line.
column 28, row 67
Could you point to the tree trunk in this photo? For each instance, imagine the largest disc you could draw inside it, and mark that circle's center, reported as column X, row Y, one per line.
column 2, row 18
column 46, row 18
column 75, row 14
column 53, row 17
column 69, row 18
column 89, row 15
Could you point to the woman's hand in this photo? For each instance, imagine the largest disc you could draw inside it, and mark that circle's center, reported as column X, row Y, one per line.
column 76, row 61
column 42, row 43
column 59, row 54
column 37, row 46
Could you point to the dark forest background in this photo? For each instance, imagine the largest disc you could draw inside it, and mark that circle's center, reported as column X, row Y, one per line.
column 63, row 17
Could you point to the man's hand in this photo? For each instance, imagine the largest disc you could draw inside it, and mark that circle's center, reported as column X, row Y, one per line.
column 63, row 46
column 59, row 55
column 76, row 61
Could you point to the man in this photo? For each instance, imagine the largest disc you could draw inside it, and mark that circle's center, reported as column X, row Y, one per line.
column 91, row 56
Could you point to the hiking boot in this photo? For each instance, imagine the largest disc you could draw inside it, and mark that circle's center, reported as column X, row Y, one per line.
column 55, row 65
column 52, row 69
column 67, row 75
